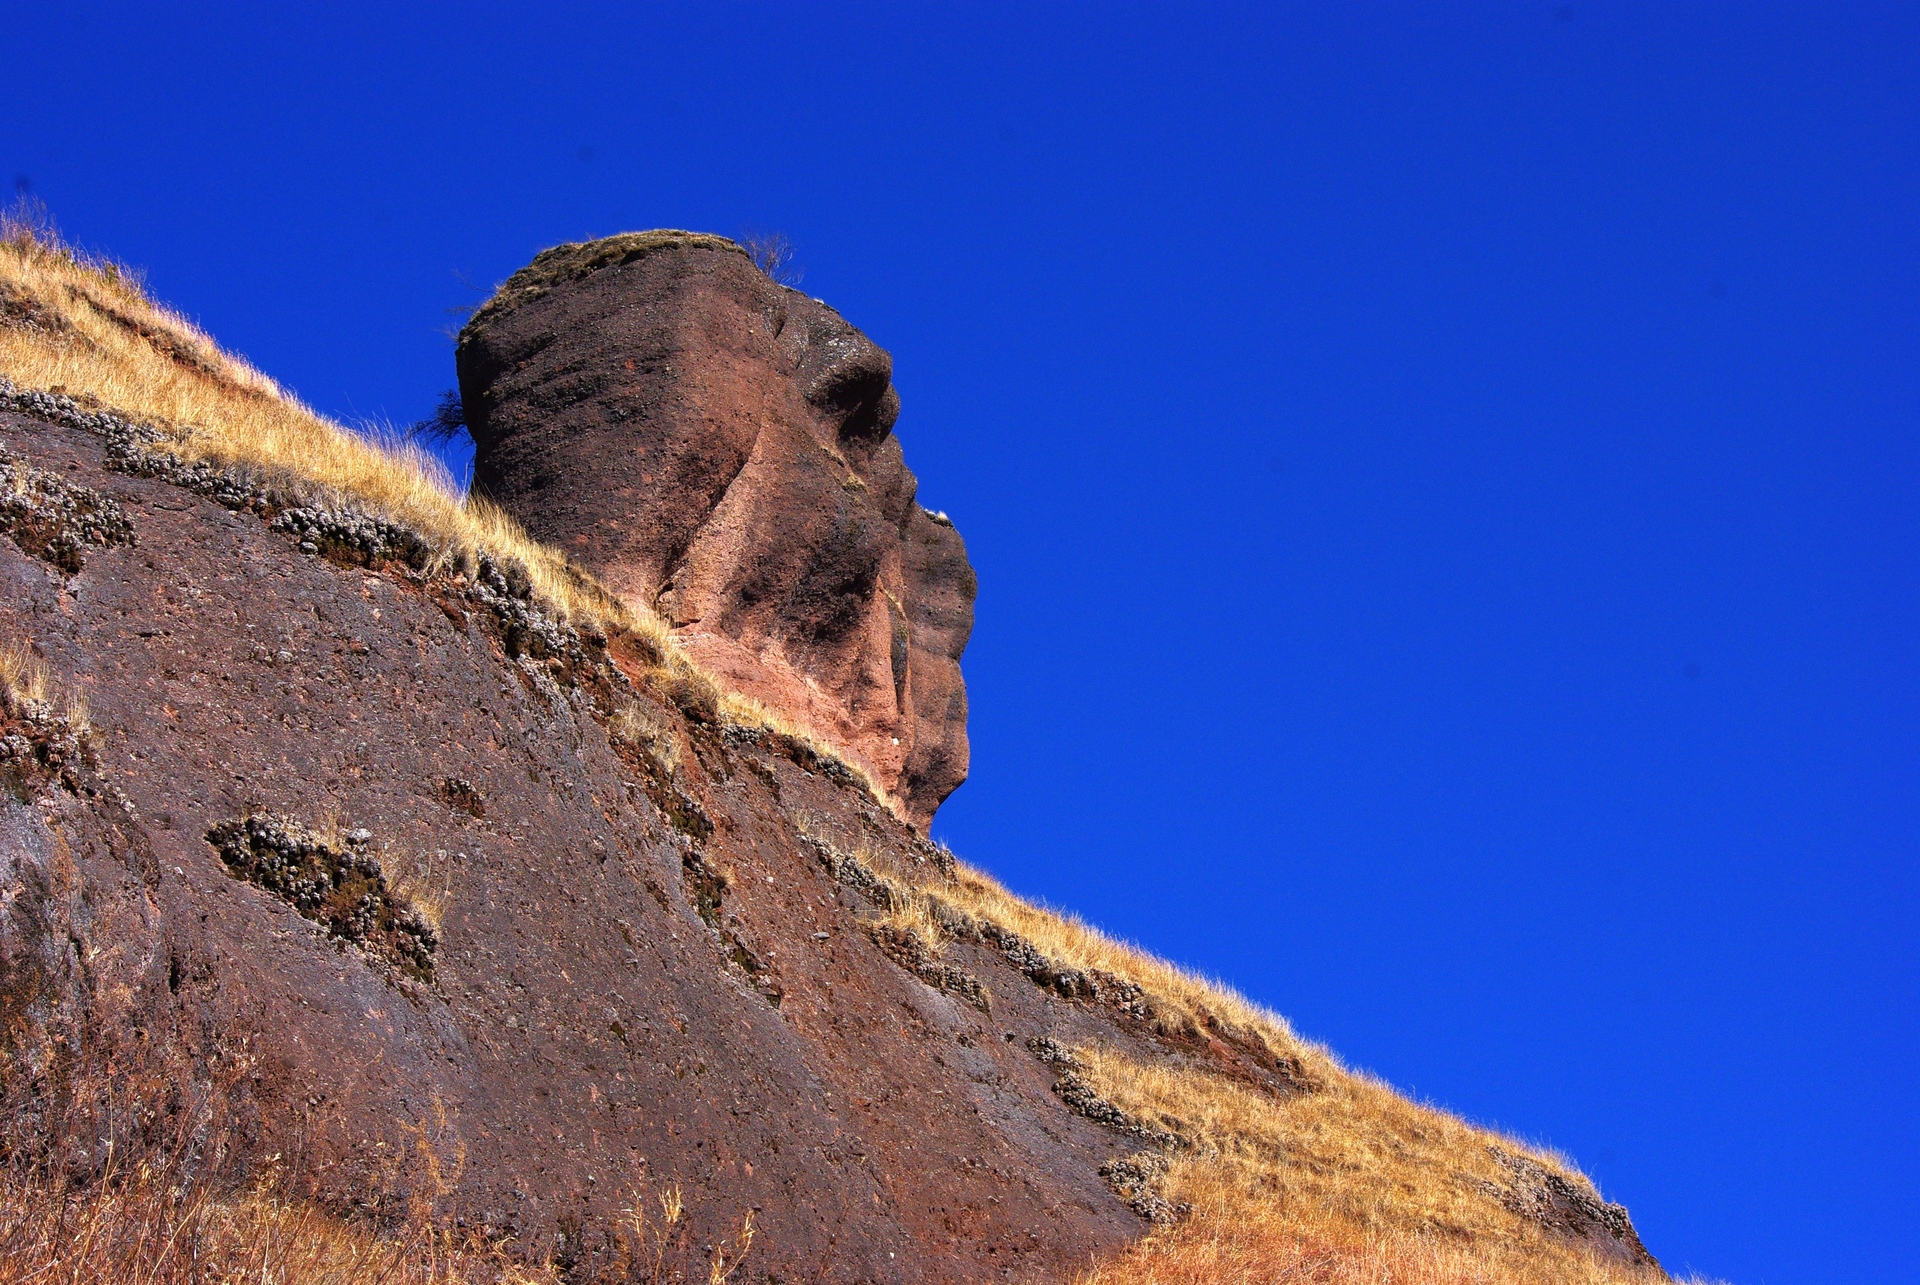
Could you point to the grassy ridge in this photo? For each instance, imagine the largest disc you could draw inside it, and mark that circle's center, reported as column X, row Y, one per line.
column 84, row 326
column 1349, row 1183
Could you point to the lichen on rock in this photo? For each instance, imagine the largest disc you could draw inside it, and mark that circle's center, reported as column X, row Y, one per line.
column 54, row 520
column 339, row 885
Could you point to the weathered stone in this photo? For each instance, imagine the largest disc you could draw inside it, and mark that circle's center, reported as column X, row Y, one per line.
column 628, row 982
column 719, row 448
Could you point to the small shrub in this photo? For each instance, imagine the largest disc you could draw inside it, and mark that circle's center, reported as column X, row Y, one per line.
column 696, row 695
column 772, row 253
column 447, row 423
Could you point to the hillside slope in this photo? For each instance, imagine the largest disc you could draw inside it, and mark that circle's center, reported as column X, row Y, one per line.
column 464, row 889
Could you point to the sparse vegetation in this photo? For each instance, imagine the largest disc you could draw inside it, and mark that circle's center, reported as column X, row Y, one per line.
column 772, row 253
column 26, row 690
column 337, row 881
column 141, row 1226
column 1254, row 1244
column 1181, row 1002
column 116, row 1169
column 1338, row 1180
column 427, row 892
column 572, row 260
column 448, row 421
column 911, row 913
column 648, row 731
column 54, row 520
column 121, row 351
column 653, row 1231
column 22, row 676
column 1352, row 1182
column 745, row 711
column 83, row 326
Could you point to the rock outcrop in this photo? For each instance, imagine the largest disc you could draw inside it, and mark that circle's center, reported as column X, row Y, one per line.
column 719, row 448
column 328, row 851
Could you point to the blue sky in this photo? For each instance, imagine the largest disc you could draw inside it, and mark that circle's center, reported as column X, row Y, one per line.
column 1443, row 478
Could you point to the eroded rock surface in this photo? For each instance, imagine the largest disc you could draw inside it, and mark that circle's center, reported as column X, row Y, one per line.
column 1570, row 1207
column 459, row 908
column 652, row 954
column 719, row 447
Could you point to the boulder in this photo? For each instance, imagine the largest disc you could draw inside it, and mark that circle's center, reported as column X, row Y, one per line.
column 718, row 448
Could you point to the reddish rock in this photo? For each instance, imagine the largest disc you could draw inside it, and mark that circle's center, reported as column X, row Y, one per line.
column 719, row 448
column 390, row 868
column 348, row 846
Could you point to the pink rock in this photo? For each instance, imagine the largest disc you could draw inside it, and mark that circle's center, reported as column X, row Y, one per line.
column 719, row 448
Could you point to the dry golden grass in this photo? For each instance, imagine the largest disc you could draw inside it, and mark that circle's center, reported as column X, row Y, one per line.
column 912, row 911
column 1350, row 1183
column 138, row 1228
column 1184, row 1001
column 84, row 326
column 23, row 678
column 650, row 731
column 738, row 707
column 153, row 1222
column 113, row 1172
column 1238, row 1240
column 426, row 890
column 149, row 1223
column 650, row 1230
column 113, row 1169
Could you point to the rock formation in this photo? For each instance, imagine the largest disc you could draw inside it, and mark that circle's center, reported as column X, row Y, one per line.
column 719, row 448
column 329, row 847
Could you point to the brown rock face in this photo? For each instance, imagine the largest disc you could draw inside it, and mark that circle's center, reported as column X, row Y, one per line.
column 402, row 868
column 719, row 448
column 653, row 952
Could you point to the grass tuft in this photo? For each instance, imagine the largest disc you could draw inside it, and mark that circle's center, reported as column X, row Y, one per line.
column 22, row 676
